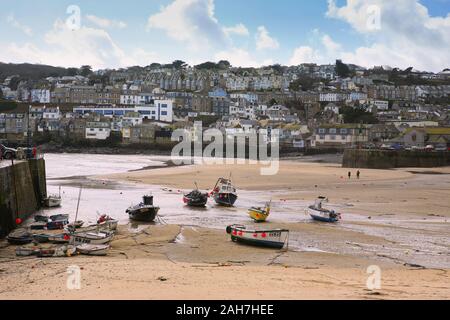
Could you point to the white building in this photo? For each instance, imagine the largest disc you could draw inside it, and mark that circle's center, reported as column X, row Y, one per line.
column 40, row 95
column 98, row 130
column 51, row 113
column 381, row 105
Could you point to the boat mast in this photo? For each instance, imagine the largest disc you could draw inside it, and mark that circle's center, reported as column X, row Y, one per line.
column 78, row 203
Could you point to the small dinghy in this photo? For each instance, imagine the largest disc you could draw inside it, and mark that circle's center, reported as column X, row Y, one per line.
column 56, row 224
column 40, row 218
column 27, row 251
column 20, row 238
column 38, row 225
column 94, row 238
column 41, row 238
column 76, row 224
column 318, row 213
column 59, row 238
column 106, row 222
column 53, row 201
column 59, row 252
column 196, row 198
column 273, row 238
column 58, row 217
column 93, row 250
column 260, row 214
column 224, row 193
column 145, row 211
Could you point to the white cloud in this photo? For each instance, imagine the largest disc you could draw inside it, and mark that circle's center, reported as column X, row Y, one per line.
column 239, row 29
column 264, row 40
column 304, row 54
column 407, row 34
column 64, row 47
column 326, row 51
column 191, row 22
column 240, row 57
column 11, row 19
column 106, row 23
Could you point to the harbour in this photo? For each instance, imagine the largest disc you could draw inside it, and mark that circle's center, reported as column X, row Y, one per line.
column 370, row 232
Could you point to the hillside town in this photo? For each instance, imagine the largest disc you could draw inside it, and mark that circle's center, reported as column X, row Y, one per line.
column 334, row 106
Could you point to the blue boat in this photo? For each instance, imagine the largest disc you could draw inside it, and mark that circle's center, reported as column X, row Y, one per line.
column 224, row 193
column 318, row 213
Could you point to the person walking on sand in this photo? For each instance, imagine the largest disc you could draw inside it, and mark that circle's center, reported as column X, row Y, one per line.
column 358, row 174
column 349, row 174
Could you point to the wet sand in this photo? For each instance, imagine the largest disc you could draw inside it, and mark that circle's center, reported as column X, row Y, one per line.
column 395, row 219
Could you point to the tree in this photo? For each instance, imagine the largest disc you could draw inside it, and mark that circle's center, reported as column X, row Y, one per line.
column 206, row 66
column 303, row 83
column 72, row 72
column 272, row 102
column 86, row 71
column 179, row 64
column 357, row 115
column 224, row 64
column 342, row 69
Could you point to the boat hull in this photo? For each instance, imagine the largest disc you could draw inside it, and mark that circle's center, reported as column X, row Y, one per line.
column 258, row 215
column 93, row 239
column 274, row 239
column 143, row 214
column 93, row 250
column 322, row 216
column 52, row 202
column 225, row 199
column 198, row 203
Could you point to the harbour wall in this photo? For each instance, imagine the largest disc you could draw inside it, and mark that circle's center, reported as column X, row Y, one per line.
column 23, row 186
column 384, row 159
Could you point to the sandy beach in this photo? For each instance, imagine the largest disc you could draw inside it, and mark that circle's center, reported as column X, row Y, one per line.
column 397, row 220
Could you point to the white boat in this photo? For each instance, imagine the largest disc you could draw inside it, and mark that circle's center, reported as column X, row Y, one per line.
column 270, row 238
column 91, row 238
column 53, row 200
column 93, row 250
column 319, row 213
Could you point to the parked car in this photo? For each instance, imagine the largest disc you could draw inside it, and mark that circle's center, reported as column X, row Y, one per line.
column 7, row 153
column 429, row 148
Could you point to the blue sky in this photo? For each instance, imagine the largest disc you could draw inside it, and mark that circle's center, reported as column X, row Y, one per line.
column 249, row 33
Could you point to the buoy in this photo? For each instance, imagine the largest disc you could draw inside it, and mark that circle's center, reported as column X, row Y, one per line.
column 18, row 221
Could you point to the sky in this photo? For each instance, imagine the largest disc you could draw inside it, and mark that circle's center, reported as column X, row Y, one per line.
column 251, row 33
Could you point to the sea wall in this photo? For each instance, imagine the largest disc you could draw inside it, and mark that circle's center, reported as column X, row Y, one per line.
column 384, row 159
column 22, row 188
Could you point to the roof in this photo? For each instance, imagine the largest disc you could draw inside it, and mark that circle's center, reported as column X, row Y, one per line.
column 431, row 130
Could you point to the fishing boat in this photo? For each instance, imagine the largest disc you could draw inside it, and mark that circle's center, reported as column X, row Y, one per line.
column 270, row 238
column 196, row 198
column 53, row 200
column 19, row 238
column 224, row 193
column 145, row 211
column 93, row 250
column 94, row 238
column 260, row 214
column 318, row 213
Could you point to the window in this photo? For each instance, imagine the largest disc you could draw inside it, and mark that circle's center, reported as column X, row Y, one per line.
column 321, row 131
column 333, row 137
column 164, row 113
column 333, row 131
column 322, row 137
column 344, row 131
column 343, row 137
